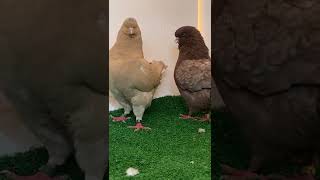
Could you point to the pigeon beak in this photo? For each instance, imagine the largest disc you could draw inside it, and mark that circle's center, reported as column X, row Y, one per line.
column 177, row 40
column 131, row 31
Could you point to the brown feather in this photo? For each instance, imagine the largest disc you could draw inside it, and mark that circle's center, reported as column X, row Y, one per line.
column 194, row 75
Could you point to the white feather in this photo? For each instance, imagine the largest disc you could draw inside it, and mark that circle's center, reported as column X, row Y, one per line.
column 132, row 171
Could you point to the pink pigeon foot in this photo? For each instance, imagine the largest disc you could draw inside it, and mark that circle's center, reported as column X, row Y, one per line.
column 185, row 116
column 202, row 119
column 37, row 176
column 139, row 126
column 205, row 118
column 119, row 119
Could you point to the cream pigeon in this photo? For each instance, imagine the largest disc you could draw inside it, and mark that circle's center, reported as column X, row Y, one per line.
column 132, row 79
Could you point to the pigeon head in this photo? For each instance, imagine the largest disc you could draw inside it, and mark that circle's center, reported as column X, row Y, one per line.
column 187, row 35
column 130, row 28
column 191, row 44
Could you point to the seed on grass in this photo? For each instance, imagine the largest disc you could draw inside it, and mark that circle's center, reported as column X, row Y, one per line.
column 200, row 130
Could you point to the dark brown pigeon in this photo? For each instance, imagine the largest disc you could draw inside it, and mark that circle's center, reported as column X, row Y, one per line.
column 267, row 68
column 192, row 73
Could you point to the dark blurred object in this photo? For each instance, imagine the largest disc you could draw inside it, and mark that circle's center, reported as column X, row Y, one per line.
column 266, row 67
column 53, row 70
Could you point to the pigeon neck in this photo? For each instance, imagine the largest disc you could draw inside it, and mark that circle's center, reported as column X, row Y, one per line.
column 193, row 52
column 129, row 47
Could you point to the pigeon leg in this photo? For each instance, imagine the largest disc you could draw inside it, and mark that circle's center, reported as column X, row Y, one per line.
column 37, row 176
column 138, row 112
column 188, row 116
column 205, row 118
column 127, row 110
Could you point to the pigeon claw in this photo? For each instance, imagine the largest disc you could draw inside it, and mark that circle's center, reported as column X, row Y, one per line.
column 139, row 127
column 119, row 119
column 185, row 116
column 206, row 118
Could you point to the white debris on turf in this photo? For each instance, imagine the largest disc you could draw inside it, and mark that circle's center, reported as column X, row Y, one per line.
column 132, row 171
column 191, row 162
column 200, row 130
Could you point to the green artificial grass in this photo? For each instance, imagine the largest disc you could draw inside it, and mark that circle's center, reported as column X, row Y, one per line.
column 228, row 147
column 173, row 149
column 165, row 152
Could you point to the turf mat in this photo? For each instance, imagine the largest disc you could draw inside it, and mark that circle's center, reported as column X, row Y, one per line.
column 173, row 149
